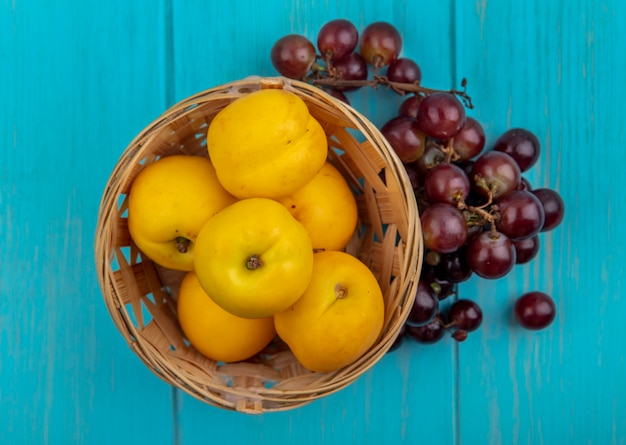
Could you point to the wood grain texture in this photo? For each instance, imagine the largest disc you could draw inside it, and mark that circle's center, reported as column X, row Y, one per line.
column 552, row 68
column 79, row 79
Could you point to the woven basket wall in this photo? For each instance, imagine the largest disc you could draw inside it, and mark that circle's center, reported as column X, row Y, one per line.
column 141, row 296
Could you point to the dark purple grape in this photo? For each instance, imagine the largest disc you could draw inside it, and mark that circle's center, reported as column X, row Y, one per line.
column 425, row 306
column 521, row 214
column 441, row 115
column 490, row 255
column 337, row 94
column 470, row 140
column 521, row 145
column 337, row 38
column 442, row 288
column 293, row 56
column 350, row 67
column 404, row 70
column 526, row 249
column 466, row 165
column 524, row 184
column 465, row 315
column 443, row 227
column 432, row 258
column 473, row 198
column 432, row 156
column 553, row 207
column 410, row 106
column 405, row 137
column 427, row 334
column 380, row 44
column 446, row 183
column 534, row 310
column 413, row 175
column 453, row 267
column 496, row 172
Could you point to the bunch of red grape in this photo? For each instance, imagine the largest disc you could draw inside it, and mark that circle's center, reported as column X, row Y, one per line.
column 479, row 214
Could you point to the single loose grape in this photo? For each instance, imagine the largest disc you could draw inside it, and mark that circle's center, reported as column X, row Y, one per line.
column 534, row 310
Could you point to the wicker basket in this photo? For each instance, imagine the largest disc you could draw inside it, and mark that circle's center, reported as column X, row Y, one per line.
column 141, row 296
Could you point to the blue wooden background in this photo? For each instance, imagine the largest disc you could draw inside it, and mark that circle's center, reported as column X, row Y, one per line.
column 78, row 79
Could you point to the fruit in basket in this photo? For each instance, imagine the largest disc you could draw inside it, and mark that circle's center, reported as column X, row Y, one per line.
column 217, row 333
column 326, row 208
column 339, row 316
column 169, row 202
column 253, row 258
column 266, row 144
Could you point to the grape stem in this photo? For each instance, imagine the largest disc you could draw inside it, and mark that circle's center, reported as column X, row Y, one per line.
column 330, row 69
column 449, row 151
column 486, row 216
column 379, row 80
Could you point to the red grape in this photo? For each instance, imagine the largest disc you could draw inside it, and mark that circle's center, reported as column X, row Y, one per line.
column 430, row 333
column 466, row 165
column 432, row 156
column 293, row 56
column 337, row 94
column 521, row 145
column 490, row 255
column 414, row 177
column 521, row 214
column 350, row 67
column 446, row 183
column 441, row 115
column 465, row 315
column 410, row 106
column 443, row 227
column 526, row 249
column 404, row 70
column 495, row 172
column 534, row 310
column 380, row 44
column 453, row 267
column 470, row 140
column 524, row 184
column 442, row 288
column 553, row 206
column 405, row 137
column 425, row 306
column 337, row 38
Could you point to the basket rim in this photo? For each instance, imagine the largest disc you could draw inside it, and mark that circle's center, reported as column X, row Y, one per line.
column 104, row 242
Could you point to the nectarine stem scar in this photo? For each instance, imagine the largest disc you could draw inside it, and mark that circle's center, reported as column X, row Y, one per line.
column 341, row 292
column 254, row 262
column 182, row 244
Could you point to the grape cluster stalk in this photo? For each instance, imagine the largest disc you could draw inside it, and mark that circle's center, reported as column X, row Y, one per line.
column 479, row 213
